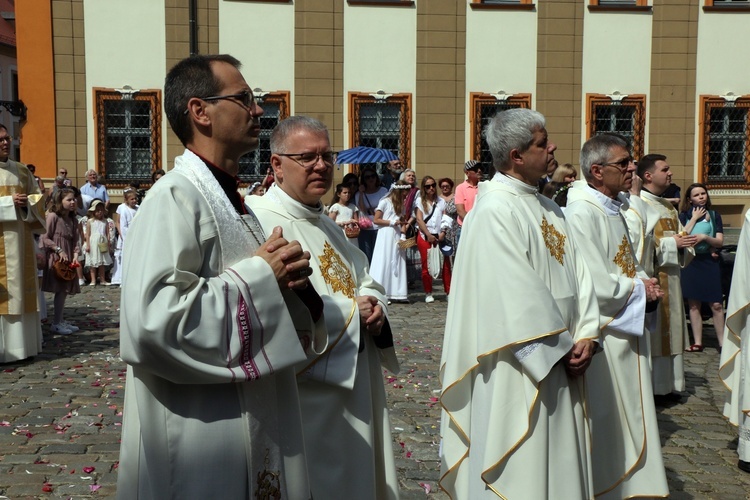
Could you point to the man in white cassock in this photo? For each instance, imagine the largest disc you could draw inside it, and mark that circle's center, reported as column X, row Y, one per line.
column 519, row 334
column 667, row 251
column 734, row 368
column 626, row 450
column 344, row 415
column 213, row 320
column 21, row 216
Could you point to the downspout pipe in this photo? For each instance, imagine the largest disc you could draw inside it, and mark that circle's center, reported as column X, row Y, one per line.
column 193, row 27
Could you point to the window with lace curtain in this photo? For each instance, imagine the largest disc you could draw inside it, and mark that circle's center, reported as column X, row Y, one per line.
column 724, row 154
column 128, row 128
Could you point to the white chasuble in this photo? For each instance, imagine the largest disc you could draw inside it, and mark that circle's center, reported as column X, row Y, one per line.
column 211, row 402
column 734, row 368
column 667, row 325
column 626, row 452
column 513, row 423
column 20, row 325
column 344, row 414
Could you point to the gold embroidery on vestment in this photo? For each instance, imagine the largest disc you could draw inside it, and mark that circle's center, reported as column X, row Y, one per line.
column 624, row 258
column 335, row 273
column 269, row 483
column 554, row 240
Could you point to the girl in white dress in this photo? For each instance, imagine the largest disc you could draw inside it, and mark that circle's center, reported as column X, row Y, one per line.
column 342, row 210
column 388, row 259
column 123, row 219
column 98, row 240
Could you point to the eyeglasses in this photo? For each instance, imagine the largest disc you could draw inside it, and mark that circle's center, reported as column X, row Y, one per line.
column 622, row 164
column 6, row 139
column 428, row 186
column 445, row 186
column 63, row 172
column 310, row 160
column 246, row 98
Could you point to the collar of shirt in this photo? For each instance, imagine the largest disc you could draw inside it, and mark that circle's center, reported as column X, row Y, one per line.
column 229, row 184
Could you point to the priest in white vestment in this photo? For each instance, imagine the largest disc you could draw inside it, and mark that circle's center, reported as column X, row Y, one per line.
column 521, row 330
column 21, row 216
column 626, row 450
column 734, row 368
column 212, row 326
column 342, row 393
column 671, row 251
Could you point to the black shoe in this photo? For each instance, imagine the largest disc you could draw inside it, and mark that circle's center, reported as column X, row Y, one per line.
column 744, row 466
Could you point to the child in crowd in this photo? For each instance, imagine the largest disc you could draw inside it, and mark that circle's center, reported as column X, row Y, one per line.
column 342, row 210
column 61, row 244
column 389, row 258
column 99, row 236
column 123, row 219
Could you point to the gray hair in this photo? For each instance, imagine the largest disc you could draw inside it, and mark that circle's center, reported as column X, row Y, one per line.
column 402, row 177
column 511, row 129
column 596, row 150
column 91, row 171
column 292, row 124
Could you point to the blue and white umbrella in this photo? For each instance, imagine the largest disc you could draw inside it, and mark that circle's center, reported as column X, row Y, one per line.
column 363, row 154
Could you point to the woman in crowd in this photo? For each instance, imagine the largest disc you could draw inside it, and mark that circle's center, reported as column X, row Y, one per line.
column 429, row 212
column 701, row 279
column 156, row 175
column 388, row 261
column 446, row 194
column 369, row 195
column 61, row 244
column 564, row 174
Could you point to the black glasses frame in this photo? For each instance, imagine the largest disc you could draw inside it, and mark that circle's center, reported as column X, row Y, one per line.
column 328, row 157
column 246, row 98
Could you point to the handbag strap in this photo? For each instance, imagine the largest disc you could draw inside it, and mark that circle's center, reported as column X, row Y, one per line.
column 434, row 205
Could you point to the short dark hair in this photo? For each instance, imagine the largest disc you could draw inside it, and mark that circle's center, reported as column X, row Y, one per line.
column 648, row 163
column 191, row 77
column 448, row 180
column 159, row 171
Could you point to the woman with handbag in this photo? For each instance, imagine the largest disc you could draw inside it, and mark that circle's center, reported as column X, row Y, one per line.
column 430, row 208
column 701, row 279
column 61, row 246
column 388, row 261
column 367, row 199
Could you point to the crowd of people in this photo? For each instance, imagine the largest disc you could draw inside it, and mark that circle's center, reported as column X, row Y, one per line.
column 264, row 377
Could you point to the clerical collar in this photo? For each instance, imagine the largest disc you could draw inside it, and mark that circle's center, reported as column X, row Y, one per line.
column 295, row 208
column 514, row 183
column 228, row 182
column 611, row 207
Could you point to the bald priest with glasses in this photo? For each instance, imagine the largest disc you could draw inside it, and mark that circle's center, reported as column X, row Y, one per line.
column 344, row 416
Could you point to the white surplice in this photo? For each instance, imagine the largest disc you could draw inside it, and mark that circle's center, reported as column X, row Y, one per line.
column 626, row 452
column 513, row 422
column 20, row 324
column 211, row 403
column 345, row 418
column 667, row 325
column 734, row 368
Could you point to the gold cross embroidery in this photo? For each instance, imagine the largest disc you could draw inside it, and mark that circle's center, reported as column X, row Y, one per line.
column 624, row 258
column 554, row 240
column 335, row 273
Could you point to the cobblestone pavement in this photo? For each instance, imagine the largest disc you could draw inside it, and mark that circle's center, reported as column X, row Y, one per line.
column 61, row 413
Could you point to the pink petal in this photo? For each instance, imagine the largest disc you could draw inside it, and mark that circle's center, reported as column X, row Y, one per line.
column 89, row 470
column 427, row 487
column 94, row 487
